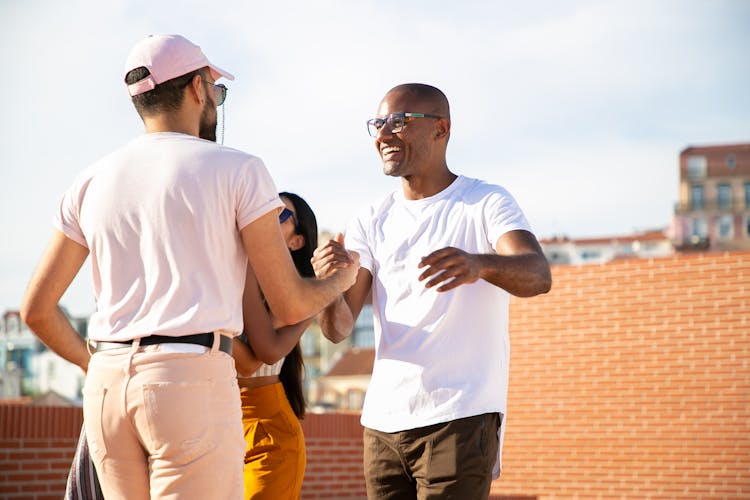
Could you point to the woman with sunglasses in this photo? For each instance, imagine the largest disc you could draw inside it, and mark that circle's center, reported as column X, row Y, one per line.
column 272, row 396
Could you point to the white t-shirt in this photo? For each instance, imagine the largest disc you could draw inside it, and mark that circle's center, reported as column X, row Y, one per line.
column 161, row 219
column 439, row 356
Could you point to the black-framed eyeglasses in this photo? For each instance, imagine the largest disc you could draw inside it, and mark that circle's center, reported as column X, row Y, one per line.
column 395, row 122
column 285, row 214
column 220, row 92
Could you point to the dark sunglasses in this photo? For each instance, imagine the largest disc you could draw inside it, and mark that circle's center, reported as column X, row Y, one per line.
column 285, row 214
column 220, row 93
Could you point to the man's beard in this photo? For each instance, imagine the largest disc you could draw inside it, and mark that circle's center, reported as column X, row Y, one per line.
column 207, row 128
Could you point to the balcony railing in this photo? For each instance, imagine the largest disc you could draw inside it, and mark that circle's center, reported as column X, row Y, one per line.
column 713, row 206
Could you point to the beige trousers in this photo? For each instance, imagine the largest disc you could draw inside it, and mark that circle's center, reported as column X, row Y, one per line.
column 164, row 423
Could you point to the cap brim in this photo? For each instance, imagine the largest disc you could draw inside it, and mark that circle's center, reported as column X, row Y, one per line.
column 217, row 73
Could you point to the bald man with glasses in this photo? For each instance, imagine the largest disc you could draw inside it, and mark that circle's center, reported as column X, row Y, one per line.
column 441, row 257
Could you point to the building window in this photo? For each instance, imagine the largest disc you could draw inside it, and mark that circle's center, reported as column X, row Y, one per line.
column 724, row 227
column 747, row 195
column 587, row 255
column 724, row 196
column 696, row 166
column 364, row 330
column 731, row 160
column 12, row 324
column 747, row 225
column 696, row 197
column 698, row 229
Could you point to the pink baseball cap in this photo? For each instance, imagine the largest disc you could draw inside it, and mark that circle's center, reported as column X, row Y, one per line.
column 167, row 57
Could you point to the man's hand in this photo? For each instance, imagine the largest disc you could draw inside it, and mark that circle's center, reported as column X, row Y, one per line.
column 290, row 297
column 450, row 267
column 331, row 256
column 518, row 266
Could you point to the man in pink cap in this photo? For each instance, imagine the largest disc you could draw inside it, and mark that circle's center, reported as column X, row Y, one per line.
column 170, row 220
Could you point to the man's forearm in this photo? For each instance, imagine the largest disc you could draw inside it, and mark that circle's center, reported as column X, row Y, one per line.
column 521, row 275
column 60, row 263
column 291, row 298
column 56, row 332
column 310, row 298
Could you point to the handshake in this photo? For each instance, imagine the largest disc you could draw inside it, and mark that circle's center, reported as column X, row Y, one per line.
column 332, row 256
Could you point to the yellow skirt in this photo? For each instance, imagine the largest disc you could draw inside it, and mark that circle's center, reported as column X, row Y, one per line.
column 275, row 453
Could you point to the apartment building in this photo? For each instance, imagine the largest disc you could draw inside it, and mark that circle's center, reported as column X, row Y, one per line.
column 28, row 368
column 713, row 211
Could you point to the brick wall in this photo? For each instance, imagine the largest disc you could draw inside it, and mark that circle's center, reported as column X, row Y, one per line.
column 334, row 457
column 632, row 380
column 629, row 380
column 37, row 445
column 36, row 448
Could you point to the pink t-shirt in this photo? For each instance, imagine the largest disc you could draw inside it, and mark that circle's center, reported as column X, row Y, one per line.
column 161, row 219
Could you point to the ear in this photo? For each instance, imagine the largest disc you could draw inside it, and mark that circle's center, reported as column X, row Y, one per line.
column 197, row 90
column 297, row 242
column 442, row 128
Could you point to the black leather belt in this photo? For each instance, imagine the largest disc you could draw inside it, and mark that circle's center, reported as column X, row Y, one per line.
column 204, row 339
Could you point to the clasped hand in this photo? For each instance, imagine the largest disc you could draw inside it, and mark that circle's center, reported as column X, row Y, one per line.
column 447, row 268
column 332, row 256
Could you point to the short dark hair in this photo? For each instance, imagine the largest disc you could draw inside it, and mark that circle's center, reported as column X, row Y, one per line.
column 426, row 94
column 165, row 97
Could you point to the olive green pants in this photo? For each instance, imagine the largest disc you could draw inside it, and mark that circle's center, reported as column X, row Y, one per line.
column 448, row 460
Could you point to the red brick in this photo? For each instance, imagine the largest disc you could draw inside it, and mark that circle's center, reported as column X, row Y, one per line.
column 34, row 486
column 9, row 466
column 6, row 487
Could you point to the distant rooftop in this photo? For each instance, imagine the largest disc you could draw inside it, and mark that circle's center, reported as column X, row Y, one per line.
column 355, row 361
column 648, row 235
column 717, row 148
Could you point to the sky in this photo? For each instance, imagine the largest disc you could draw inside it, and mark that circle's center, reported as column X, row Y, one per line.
column 579, row 108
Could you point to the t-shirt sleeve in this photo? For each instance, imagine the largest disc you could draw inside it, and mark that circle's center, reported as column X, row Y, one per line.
column 256, row 193
column 503, row 215
column 356, row 239
column 67, row 218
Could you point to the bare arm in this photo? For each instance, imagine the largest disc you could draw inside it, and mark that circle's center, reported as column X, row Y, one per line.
column 268, row 344
column 519, row 266
column 290, row 297
column 60, row 263
column 337, row 320
column 245, row 361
